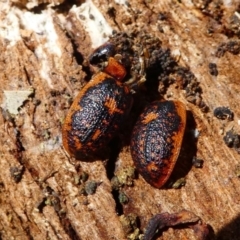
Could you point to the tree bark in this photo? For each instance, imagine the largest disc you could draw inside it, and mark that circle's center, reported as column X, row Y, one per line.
column 43, row 51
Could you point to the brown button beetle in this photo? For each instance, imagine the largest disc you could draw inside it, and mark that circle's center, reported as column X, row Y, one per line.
column 97, row 112
column 156, row 140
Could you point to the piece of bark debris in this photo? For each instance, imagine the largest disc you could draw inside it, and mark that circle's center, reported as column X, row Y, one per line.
column 91, row 187
column 231, row 46
column 179, row 183
column 129, row 224
column 16, row 173
column 123, row 177
column 197, row 162
column 232, row 140
column 123, row 198
column 223, row 113
column 213, row 69
column 164, row 220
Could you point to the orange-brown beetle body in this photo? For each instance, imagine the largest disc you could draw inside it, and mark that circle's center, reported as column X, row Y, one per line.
column 95, row 116
column 156, row 140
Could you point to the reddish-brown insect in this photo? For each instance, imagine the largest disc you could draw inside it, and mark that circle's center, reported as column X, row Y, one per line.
column 97, row 112
column 156, row 140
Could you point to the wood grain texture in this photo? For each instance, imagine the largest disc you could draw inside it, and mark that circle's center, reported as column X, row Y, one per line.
column 47, row 203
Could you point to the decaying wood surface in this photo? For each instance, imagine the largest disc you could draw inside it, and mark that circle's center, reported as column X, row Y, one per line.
column 42, row 50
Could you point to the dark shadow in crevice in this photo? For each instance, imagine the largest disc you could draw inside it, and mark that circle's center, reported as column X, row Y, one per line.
column 39, row 8
column 231, row 231
column 119, row 207
column 115, row 147
column 80, row 59
column 66, row 6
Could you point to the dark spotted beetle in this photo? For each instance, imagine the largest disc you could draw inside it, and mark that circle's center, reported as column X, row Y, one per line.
column 100, row 109
column 97, row 112
column 156, row 140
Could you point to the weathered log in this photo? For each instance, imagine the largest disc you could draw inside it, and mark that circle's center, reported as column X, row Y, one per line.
column 45, row 194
